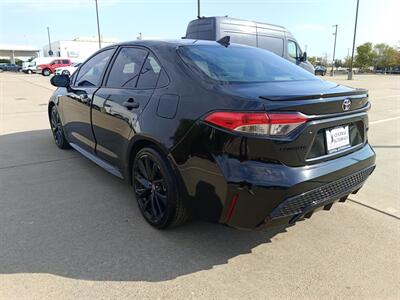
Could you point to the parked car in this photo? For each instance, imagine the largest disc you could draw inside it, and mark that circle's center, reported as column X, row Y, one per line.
column 10, row 67
column 30, row 67
column 67, row 70
column 271, row 37
column 387, row 70
column 227, row 133
column 320, row 70
column 395, row 70
column 48, row 69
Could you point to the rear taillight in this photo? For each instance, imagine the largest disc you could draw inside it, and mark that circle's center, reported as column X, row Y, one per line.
column 273, row 124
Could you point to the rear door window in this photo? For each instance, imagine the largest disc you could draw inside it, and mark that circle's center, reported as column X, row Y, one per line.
column 149, row 74
column 126, row 68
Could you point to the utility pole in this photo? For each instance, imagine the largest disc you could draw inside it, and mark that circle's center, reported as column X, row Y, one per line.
column 98, row 24
column 198, row 9
column 48, row 36
column 350, row 74
column 334, row 50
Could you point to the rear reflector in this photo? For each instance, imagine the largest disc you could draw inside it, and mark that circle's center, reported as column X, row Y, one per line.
column 273, row 124
column 231, row 207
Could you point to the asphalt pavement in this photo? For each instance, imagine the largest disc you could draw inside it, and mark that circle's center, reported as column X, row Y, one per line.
column 69, row 229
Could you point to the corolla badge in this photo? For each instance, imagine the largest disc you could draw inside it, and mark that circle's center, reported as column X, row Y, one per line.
column 346, row 105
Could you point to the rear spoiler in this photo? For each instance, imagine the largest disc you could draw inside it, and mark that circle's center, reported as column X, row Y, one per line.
column 317, row 96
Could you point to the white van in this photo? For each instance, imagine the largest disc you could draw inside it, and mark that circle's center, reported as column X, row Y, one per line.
column 31, row 66
column 271, row 37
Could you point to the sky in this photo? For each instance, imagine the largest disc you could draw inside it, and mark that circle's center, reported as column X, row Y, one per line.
column 24, row 22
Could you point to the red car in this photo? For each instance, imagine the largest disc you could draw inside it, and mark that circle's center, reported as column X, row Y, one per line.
column 47, row 69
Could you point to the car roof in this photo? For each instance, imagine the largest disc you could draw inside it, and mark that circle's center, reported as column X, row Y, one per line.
column 164, row 43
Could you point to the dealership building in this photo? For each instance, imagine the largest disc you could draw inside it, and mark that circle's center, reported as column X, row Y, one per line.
column 12, row 52
column 77, row 49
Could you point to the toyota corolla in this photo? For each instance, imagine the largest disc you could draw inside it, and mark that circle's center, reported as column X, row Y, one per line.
column 219, row 131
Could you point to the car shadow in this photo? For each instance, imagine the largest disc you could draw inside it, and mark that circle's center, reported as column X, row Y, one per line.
column 61, row 214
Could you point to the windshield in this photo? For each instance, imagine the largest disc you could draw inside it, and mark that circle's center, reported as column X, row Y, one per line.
column 241, row 64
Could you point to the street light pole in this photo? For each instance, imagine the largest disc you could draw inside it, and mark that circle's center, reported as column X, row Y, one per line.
column 350, row 74
column 334, row 49
column 98, row 24
column 198, row 9
column 48, row 36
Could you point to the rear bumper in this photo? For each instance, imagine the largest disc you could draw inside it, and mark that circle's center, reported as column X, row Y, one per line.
column 268, row 194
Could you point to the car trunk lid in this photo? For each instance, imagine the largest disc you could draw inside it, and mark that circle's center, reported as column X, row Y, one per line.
column 330, row 108
column 311, row 97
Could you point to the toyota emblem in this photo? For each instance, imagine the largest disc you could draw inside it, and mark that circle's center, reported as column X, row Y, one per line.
column 346, row 105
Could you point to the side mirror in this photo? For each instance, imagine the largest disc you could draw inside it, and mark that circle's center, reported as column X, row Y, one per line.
column 303, row 57
column 60, row 81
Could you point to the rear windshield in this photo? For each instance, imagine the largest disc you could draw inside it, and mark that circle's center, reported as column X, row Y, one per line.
column 241, row 64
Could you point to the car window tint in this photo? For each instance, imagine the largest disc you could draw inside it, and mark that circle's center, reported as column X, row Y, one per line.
column 238, row 64
column 126, row 68
column 91, row 71
column 149, row 74
column 292, row 49
column 65, row 62
column 163, row 79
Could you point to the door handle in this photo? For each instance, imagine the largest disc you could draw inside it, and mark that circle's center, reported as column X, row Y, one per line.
column 130, row 104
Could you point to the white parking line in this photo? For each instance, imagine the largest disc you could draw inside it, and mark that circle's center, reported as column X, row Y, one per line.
column 384, row 97
column 383, row 121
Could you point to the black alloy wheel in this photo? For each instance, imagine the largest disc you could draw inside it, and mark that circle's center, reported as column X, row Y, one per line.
column 57, row 129
column 156, row 191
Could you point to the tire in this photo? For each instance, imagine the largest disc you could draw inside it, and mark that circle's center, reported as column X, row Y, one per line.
column 155, row 187
column 46, row 72
column 65, row 72
column 57, row 129
column 29, row 72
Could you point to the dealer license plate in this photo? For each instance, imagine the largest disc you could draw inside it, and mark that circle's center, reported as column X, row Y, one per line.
column 337, row 138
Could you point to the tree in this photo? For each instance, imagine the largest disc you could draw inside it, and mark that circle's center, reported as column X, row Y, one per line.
column 386, row 56
column 398, row 59
column 312, row 60
column 347, row 62
column 338, row 63
column 365, row 55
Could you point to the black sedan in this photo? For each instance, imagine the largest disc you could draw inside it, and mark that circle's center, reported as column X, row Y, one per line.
column 222, row 132
column 320, row 70
column 10, row 67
